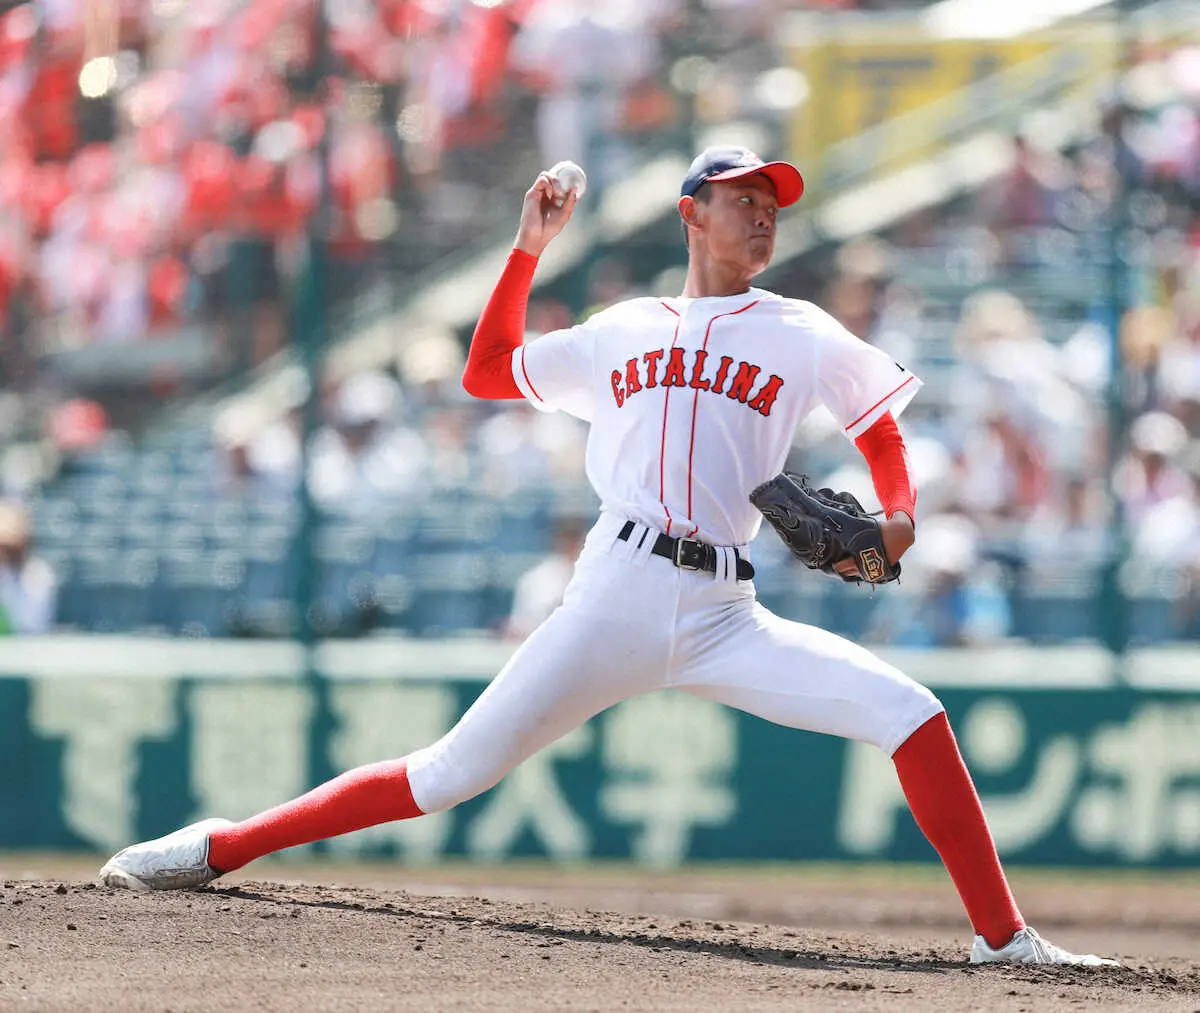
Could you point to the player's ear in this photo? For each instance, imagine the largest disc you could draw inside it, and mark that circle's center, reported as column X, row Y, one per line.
column 689, row 211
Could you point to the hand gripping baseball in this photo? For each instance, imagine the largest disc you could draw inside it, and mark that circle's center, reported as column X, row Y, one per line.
column 545, row 212
column 823, row 528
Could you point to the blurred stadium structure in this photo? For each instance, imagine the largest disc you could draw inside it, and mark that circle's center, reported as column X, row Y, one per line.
column 204, row 203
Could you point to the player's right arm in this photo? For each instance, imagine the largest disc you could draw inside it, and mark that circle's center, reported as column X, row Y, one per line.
column 501, row 328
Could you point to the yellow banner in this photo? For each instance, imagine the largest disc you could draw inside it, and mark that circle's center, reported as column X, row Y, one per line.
column 905, row 94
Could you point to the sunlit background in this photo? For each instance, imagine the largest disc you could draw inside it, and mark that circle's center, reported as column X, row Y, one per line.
column 243, row 244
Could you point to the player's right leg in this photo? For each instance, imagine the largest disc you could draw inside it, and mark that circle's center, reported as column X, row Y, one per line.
column 610, row 640
column 805, row 677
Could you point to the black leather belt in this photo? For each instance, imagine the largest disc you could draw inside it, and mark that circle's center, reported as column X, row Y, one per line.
column 689, row 554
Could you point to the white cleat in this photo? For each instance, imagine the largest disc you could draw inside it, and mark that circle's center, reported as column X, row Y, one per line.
column 1027, row 947
column 178, row 861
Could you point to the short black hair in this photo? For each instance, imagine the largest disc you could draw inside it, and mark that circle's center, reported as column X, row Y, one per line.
column 702, row 195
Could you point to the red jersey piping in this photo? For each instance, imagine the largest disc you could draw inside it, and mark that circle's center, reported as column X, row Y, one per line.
column 525, row 373
column 662, row 447
column 879, row 402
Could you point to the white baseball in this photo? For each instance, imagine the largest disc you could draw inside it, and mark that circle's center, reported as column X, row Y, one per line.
column 569, row 176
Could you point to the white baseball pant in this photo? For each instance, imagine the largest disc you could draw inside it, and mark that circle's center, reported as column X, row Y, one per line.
column 632, row 622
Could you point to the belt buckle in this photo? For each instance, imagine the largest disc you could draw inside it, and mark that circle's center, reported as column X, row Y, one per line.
column 695, row 554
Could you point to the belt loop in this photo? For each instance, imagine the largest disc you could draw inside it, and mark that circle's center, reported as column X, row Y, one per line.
column 626, row 548
column 641, row 541
column 726, row 565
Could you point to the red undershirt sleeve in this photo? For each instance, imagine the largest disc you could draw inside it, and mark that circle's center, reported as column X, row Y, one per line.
column 501, row 329
column 886, row 456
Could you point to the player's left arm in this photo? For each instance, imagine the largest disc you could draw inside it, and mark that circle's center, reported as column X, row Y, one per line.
column 887, row 457
column 865, row 390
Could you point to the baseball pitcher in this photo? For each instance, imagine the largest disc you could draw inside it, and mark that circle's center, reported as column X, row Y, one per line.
column 693, row 402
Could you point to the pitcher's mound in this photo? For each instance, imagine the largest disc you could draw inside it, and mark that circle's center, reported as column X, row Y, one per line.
column 291, row 948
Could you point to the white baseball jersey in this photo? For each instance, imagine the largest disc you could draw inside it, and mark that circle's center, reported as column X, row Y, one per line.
column 694, row 402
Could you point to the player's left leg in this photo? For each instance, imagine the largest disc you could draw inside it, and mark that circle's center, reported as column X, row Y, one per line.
column 805, row 677
column 609, row 640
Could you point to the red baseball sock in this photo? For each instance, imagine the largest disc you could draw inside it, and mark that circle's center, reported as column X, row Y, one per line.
column 946, row 807
column 362, row 797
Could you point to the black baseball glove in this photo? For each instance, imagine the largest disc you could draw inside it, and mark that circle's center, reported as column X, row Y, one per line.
column 822, row 527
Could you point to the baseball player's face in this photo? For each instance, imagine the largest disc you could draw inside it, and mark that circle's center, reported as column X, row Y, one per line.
column 740, row 221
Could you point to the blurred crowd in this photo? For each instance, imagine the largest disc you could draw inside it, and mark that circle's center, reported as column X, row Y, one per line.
column 162, row 166
column 1039, row 465
column 162, row 159
column 1037, row 468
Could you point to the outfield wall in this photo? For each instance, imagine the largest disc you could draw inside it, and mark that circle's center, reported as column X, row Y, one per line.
column 104, row 740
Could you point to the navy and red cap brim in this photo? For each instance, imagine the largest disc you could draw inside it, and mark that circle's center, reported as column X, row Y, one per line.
column 720, row 165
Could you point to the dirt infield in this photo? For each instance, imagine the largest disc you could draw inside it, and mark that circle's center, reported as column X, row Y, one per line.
column 536, row 939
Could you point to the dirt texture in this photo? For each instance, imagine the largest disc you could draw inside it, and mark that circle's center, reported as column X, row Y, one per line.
column 381, row 938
